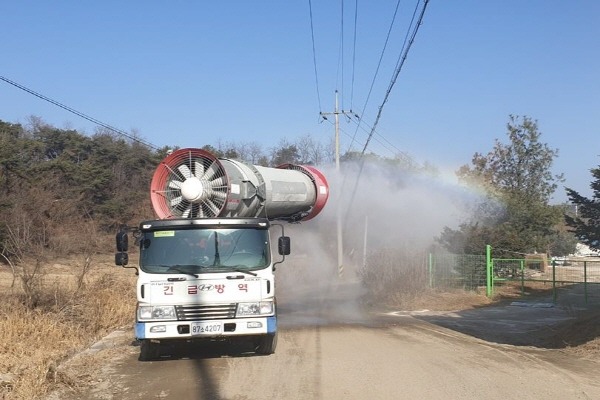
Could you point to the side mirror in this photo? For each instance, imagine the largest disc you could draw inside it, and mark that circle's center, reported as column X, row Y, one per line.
column 122, row 241
column 121, row 259
column 284, row 245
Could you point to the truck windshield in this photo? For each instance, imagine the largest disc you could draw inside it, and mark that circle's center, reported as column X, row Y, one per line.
column 193, row 251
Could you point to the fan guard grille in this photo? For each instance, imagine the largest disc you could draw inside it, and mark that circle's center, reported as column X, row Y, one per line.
column 189, row 183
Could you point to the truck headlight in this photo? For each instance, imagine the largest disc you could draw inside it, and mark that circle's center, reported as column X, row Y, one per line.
column 255, row 308
column 147, row 313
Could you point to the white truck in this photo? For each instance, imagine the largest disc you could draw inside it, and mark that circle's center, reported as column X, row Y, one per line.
column 205, row 270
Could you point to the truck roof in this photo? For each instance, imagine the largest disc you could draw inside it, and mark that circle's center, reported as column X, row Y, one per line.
column 158, row 224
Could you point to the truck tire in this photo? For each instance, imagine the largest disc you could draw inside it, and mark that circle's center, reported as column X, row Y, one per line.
column 267, row 344
column 149, row 350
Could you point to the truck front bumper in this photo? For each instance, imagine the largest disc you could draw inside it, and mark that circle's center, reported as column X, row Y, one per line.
column 184, row 329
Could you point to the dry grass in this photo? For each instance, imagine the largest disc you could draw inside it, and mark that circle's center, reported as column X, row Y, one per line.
column 435, row 300
column 36, row 339
column 580, row 336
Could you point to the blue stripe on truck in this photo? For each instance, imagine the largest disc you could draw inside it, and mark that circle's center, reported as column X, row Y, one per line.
column 271, row 324
column 140, row 330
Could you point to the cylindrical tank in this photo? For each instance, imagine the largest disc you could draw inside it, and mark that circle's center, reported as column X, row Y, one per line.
column 193, row 183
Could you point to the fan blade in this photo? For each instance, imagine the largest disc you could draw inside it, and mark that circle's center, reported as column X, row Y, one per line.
column 186, row 213
column 220, row 181
column 211, row 171
column 212, row 207
column 175, row 184
column 176, row 201
column 185, row 171
column 218, row 196
column 198, row 169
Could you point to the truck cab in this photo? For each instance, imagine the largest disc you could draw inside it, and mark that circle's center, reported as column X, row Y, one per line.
column 204, row 279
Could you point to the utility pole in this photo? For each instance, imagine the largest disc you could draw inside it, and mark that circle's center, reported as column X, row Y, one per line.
column 340, row 246
column 365, row 242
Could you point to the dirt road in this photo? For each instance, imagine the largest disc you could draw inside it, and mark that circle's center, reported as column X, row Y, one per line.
column 396, row 356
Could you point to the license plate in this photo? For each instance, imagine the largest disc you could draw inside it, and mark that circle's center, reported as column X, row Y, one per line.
column 207, row 328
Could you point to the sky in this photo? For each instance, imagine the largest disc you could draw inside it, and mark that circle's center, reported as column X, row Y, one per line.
column 189, row 74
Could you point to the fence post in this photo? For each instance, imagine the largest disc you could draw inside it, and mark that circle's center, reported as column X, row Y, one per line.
column 522, row 278
column 585, row 281
column 554, row 295
column 430, row 271
column 489, row 271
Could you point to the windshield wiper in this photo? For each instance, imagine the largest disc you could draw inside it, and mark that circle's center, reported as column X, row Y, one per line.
column 217, row 259
column 179, row 268
column 244, row 271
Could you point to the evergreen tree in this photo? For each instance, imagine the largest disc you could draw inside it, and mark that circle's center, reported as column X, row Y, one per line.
column 515, row 215
column 586, row 221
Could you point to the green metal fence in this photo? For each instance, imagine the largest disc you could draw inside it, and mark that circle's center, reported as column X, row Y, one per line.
column 470, row 272
column 456, row 271
column 582, row 274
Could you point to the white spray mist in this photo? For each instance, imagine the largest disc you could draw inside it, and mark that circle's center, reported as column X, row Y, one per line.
column 388, row 208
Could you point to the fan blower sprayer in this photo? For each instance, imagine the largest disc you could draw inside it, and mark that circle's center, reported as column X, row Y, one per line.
column 206, row 272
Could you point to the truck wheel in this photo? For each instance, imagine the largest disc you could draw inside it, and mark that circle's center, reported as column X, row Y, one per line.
column 267, row 344
column 149, row 350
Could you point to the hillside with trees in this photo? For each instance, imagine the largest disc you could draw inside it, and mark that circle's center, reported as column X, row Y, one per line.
column 63, row 192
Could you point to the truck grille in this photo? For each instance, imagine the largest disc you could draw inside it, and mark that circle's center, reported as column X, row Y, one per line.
column 189, row 313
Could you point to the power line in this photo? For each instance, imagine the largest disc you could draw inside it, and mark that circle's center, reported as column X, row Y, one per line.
column 387, row 38
column 383, row 141
column 399, row 64
column 340, row 70
column 80, row 114
column 386, row 144
column 312, row 34
column 353, row 54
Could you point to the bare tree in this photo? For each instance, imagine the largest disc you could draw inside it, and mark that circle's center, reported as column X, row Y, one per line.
column 255, row 152
column 329, row 151
column 305, row 146
column 318, row 153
